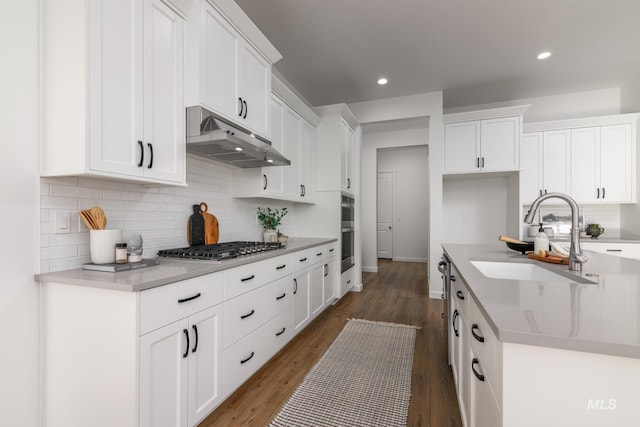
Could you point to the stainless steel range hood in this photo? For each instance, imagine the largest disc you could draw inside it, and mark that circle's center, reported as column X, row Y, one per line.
column 214, row 138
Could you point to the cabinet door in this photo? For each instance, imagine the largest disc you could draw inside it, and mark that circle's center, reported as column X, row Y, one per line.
column 483, row 408
column 347, row 158
column 219, row 85
column 273, row 176
column 530, row 166
column 300, row 300
column 164, row 134
column 307, row 161
column 616, row 163
column 500, row 144
column 462, row 147
column 291, row 136
column 316, row 289
column 555, row 162
column 163, row 376
column 585, row 164
column 115, row 103
column 329, row 281
column 205, row 363
column 255, row 90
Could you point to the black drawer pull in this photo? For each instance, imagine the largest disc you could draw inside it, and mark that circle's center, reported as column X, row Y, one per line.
column 280, row 267
column 186, row 334
column 331, row 250
column 180, row 301
column 456, row 313
column 475, row 328
column 243, row 361
column 244, row 316
column 253, row 276
column 303, row 259
column 478, row 375
column 141, row 154
column 284, row 294
column 281, row 332
column 150, row 151
column 195, row 345
column 614, row 250
column 460, row 295
column 319, row 254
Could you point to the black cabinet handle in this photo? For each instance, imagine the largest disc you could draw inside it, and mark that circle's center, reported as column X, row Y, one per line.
column 246, row 109
column 241, row 107
column 180, row 301
column 614, row 250
column 483, row 162
column 348, row 182
column 460, row 295
column 151, row 151
column 326, row 270
column 456, row 313
column 348, row 281
column 452, row 278
column 284, row 294
column 331, row 250
column 244, row 316
column 280, row 267
column 186, row 334
column 319, row 254
column 245, row 279
column 603, row 192
column 243, row 361
column 141, row 154
column 477, row 162
column 195, row 346
column 540, row 191
column 598, row 196
column 295, row 289
column 281, row 332
column 303, row 259
column 264, row 177
column 475, row 328
column 478, row 375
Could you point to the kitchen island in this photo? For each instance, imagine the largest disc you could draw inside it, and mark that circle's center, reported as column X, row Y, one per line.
column 558, row 351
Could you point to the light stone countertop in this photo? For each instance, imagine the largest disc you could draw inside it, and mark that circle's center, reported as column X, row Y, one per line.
column 168, row 270
column 602, row 316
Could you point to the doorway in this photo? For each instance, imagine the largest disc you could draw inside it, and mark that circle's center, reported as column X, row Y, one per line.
column 384, row 212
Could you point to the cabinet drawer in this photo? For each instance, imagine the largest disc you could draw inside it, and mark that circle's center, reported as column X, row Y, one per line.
column 247, row 312
column 459, row 293
column 165, row 304
column 245, row 278
column 320, row 253
column 624, row 250
column 304, row 258
column 246, row 356
column 489, row 351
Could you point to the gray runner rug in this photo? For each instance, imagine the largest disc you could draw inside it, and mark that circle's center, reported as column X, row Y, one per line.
column 363, row 379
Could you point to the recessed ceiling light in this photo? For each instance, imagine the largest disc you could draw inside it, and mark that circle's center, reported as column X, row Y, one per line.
column 238, row 149
column 544, row 55
column 382, row 81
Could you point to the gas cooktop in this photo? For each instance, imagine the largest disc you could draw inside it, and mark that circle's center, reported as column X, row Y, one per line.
column 220, row 251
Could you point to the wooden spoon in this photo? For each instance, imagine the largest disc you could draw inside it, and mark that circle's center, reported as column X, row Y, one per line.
column 511, row 240
column 99, row 217
column 88, row 220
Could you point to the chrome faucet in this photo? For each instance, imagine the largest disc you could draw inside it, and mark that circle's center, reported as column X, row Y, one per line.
column 576, row 257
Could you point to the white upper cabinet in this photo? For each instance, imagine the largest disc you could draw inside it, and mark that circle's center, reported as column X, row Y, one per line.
column 229, row 65
column 112, row 94
column 601, row 164
column 591, row 159
column 544, row 164
column 483, row 141
column 347, row 157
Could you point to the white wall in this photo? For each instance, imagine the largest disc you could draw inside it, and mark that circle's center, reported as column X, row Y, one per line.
column 158, row 213
column 429, row 107
column 19, row 214
column 410, row 166
column 558, row 107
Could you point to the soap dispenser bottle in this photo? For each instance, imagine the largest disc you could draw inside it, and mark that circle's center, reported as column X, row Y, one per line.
column 541, row 242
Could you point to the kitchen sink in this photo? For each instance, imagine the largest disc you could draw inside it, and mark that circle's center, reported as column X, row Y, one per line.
column 524, row 271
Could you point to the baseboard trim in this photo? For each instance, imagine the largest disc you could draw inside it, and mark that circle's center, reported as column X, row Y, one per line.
column 369, row 269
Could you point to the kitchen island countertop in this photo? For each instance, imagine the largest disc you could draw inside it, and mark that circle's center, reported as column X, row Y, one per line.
column 599, row 313
column 168, row 270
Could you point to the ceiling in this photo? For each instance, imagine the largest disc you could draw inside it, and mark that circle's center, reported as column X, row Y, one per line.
column 475, row 51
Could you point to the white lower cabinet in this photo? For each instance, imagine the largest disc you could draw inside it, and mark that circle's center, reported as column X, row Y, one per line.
column 483, row 409
column 180, row 371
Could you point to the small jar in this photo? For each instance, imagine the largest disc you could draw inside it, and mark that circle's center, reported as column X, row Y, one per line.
column 121, row 253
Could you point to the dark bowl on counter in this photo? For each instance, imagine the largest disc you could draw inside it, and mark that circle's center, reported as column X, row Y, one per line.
column 521, row 247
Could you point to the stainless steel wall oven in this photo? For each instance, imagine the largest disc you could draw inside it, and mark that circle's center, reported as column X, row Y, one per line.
column 348, row 232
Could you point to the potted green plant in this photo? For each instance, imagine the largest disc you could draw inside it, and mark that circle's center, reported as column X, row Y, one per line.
column 270, row 220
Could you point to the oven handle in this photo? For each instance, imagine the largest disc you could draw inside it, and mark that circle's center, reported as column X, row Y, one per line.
column 344, row 230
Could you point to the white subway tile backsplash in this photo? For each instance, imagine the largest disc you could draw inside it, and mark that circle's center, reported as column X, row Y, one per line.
column 158, row 213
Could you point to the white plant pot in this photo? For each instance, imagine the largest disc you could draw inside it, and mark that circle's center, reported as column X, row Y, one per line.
column 269, row 236
column 103, row 245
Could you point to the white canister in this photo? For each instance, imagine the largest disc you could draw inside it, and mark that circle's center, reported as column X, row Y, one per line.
column 103, row 245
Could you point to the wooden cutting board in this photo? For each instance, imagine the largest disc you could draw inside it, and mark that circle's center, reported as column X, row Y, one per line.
column 211, row 229
column 552, row 258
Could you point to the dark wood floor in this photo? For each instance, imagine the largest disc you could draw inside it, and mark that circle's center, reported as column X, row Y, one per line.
column 397, row 293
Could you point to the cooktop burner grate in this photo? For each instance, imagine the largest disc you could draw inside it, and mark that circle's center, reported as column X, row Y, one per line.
column 220, row 251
